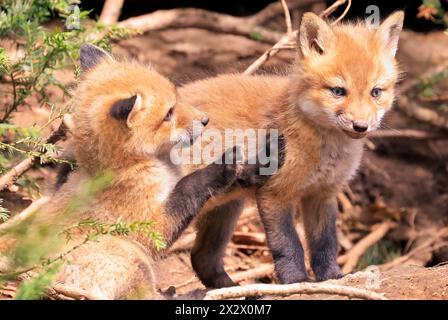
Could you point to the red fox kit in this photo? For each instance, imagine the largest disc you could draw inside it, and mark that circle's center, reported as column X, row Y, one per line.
column 126, row 119
column 342, row 85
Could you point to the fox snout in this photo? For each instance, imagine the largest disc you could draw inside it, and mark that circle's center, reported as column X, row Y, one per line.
column 355, row 128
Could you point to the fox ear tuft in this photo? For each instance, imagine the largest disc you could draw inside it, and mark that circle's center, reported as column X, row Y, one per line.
column 315, row 35
column 122, row 109
column 390, row 31
column 91, row 55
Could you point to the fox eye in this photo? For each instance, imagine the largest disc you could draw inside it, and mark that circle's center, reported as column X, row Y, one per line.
column 338, row 91
column 376, row 92
column 169, row 114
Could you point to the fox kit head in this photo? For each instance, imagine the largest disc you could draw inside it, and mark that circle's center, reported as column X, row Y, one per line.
column 347, row 73
column 127, row 110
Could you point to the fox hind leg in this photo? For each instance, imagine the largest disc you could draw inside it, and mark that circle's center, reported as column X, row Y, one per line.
column 215, row 229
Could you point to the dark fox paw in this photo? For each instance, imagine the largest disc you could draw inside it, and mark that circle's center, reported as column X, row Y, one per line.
column 333, row 273
column 267, row 163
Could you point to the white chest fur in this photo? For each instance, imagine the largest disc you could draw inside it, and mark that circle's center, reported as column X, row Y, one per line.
column 340, row 157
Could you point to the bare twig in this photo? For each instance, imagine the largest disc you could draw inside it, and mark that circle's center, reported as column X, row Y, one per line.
column 264, row 270
column 249, row 238
column 33, row 207
column 11, row 176
column 276, row 8
column 63, row 292
column 327, row 12
column 185, row 242
column 288, row 40
column 285, row 42
column 287, row 17
column 111, row 11
column 353, row 255
column 349, row 4
column 253, row 290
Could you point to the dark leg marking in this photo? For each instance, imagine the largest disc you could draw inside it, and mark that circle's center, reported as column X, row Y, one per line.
column 214, row 232
column 320, row 226
column 284, row 243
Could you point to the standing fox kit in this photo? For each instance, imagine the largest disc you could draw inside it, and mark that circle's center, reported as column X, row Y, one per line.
column 343, row 84
column 126, row 119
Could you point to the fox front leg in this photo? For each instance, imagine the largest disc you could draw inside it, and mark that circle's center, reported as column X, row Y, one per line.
column 319, row 216
column 283, row 241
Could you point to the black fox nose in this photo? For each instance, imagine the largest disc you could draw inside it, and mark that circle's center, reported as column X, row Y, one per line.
column 204, row 121
column 360, row 126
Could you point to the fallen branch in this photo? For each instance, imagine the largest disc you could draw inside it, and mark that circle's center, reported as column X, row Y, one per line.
column 11, row 176
column 198, row 18
column 431, row 245
column 352, row 257
column 254, row 290
column 202, row 19
column 33, row 207
column 111, row 11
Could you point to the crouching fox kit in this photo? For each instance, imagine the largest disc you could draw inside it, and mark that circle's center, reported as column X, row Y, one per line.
column 342, row 85
column 126, row 119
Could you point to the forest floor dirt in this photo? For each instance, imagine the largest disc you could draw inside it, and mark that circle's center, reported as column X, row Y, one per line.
column 409, row 176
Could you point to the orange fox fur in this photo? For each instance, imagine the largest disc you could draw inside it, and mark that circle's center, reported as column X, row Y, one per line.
column 130, row 137
column 323, row 139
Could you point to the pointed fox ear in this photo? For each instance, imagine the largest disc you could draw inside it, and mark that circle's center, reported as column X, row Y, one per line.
column 91, row 55
column 315, row 35
column 390, row 31
column 125, row 109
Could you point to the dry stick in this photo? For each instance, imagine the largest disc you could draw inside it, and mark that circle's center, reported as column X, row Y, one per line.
column 430, row 245
column 11, row 176
column 276, row 8
column 265, row 270
column 285, row 42
column 63, row 292
column 186, row 242
column 287, row 17
column 33, row 207
column 327, row 12
column 253, row 290
column 288, row 41
column 213, row 21
column 199, row 18
column 111, row 11
column 352, row 257
column 349, row 4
